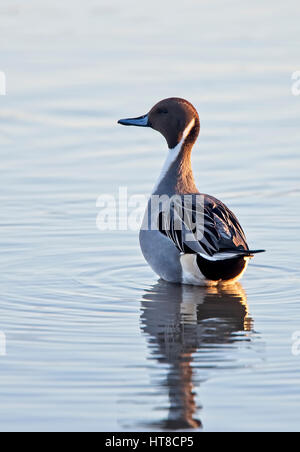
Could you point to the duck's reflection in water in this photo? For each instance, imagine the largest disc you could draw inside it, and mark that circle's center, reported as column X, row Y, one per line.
column 181, row 320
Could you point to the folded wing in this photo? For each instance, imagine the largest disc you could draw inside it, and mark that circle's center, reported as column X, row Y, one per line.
column 203, row 225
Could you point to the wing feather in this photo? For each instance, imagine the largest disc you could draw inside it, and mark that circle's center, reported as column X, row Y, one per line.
column 217, row 231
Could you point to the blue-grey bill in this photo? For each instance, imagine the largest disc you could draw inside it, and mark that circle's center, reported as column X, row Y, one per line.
column 141, row 121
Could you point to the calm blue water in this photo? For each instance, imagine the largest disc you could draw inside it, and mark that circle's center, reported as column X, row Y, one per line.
column 94, row 340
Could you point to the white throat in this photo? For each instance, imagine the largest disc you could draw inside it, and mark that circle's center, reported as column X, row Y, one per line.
column 173, row 154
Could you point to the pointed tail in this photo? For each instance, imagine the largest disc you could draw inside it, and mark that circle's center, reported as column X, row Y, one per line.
column 231, row 254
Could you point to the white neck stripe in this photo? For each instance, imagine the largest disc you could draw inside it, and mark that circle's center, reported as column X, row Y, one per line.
column 173, row 154
column 187, row 130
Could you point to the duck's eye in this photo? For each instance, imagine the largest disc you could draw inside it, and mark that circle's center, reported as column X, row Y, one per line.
column 162, row 111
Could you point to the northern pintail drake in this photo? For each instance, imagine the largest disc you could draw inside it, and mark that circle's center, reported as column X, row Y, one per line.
column 187, row 237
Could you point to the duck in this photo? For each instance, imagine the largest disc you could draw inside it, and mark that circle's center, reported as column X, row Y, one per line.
column 187, row 237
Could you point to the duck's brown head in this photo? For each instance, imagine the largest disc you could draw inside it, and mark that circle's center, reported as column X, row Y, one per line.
column 174, row 118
